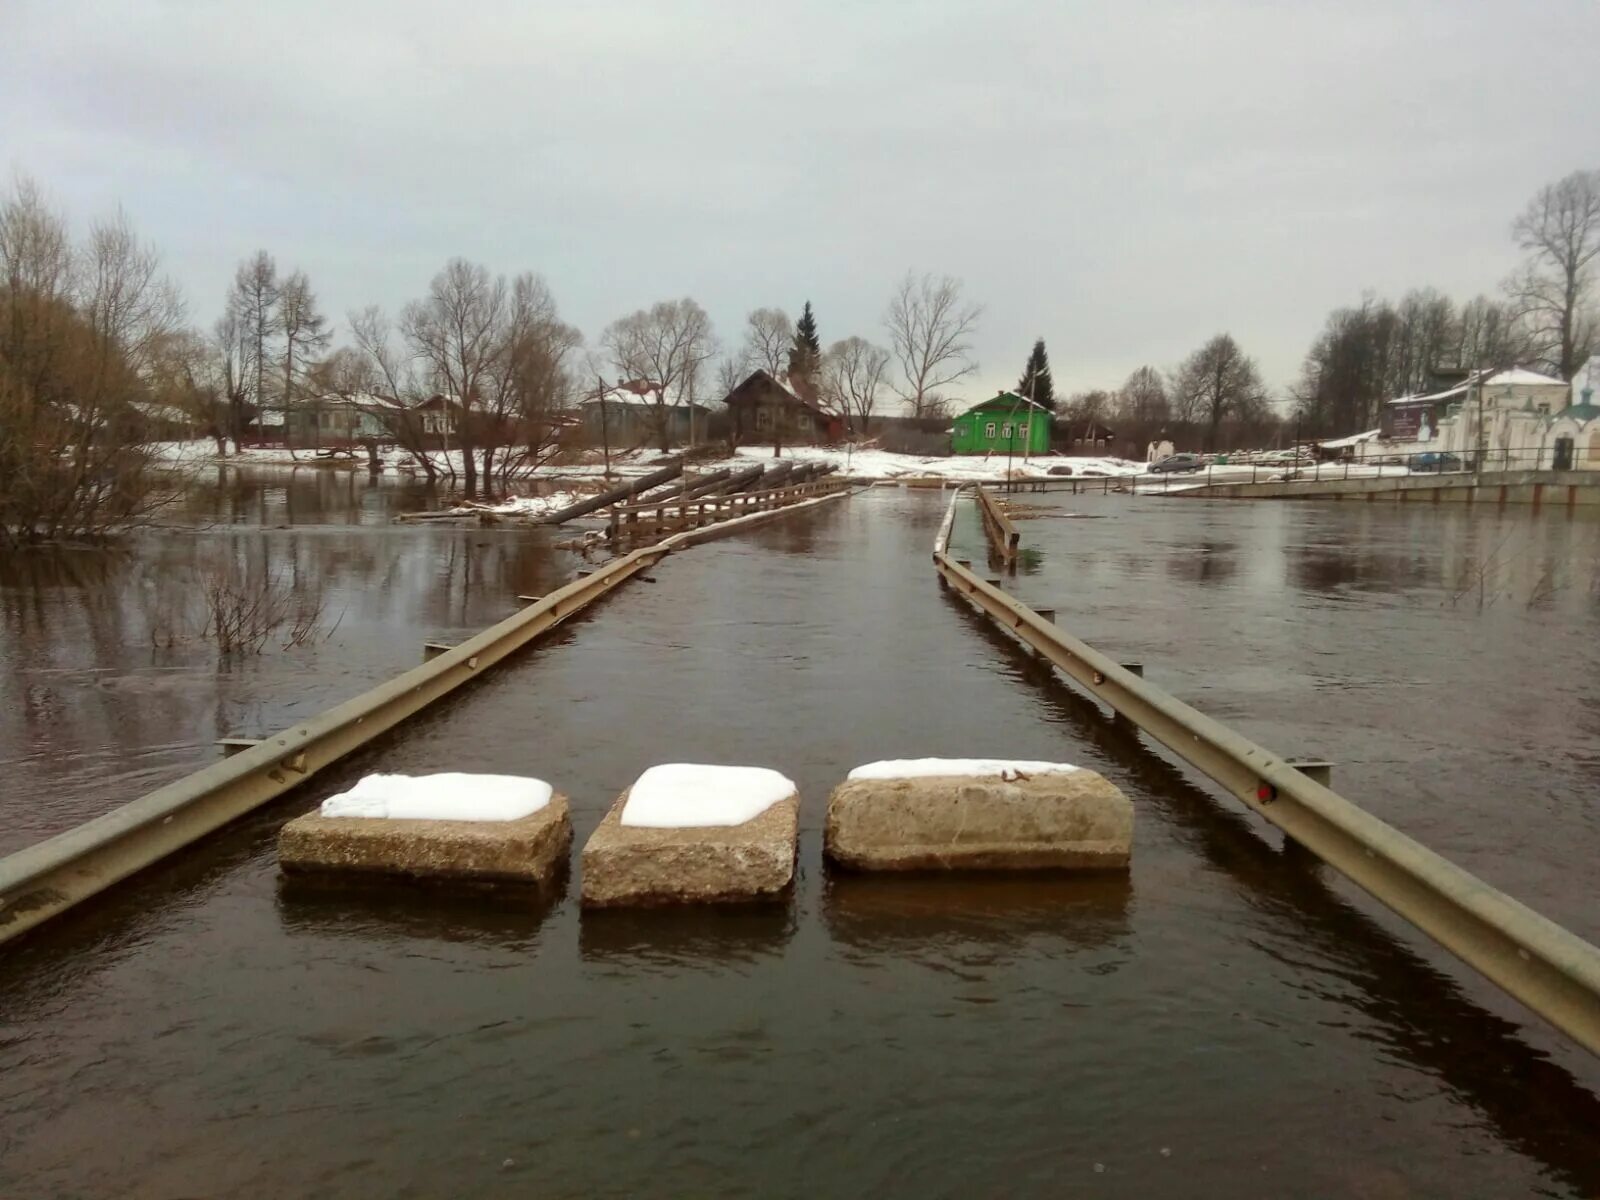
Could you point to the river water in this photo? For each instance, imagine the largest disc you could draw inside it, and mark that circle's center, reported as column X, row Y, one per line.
column 1223, row 1021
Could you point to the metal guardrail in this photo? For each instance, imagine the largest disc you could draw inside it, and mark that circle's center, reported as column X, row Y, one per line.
column 46, row 879
column 1002, row 534
column 1549, row 969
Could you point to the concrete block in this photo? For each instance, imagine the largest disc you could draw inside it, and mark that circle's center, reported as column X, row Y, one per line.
column 1051, row 821
column 530, row 850
column 640, row 865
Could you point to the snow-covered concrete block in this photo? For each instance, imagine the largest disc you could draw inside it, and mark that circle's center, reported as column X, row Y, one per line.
column 977, row 814
column 686, row 833
column 468, row 828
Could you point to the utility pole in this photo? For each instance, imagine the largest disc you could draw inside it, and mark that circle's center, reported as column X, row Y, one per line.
column 1478, row 441
column 605, row 433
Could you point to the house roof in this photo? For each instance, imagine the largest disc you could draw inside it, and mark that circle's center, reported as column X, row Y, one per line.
column 629, row 400
column 1520, row 377
column 1511, row 377
column 1005, row 402
column 761, row 375
column 1355, row 439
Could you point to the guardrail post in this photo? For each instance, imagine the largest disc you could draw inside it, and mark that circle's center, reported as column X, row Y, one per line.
column 432, row 650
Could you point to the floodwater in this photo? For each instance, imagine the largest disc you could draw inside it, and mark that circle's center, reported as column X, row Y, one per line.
column 1225, row 1020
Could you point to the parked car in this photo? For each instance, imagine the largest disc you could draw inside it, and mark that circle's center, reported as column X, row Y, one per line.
column 1178, row 462
column 1436, row 460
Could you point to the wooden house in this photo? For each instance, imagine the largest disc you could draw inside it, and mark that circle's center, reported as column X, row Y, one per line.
column 1007, row 424
column 762, row 409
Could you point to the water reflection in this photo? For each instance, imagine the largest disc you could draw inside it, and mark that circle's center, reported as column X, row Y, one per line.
column 1411, row 1006
column 401, row 909
column 926, row 913
column 1207, row 562
column 687, row 935
column 114, row 686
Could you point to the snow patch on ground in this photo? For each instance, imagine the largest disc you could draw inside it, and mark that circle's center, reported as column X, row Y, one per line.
column 690, row 796
column 981, row 768
column 882, row 464
column 523, row 506
column 449, row 796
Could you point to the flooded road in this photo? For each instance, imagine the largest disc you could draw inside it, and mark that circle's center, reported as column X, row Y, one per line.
column 1223, row 1021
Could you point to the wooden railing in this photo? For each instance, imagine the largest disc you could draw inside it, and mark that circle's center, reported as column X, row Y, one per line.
column 629, row 521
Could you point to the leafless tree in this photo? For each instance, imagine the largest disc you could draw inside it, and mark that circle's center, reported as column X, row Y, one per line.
column 79, row 329
column 853, row 372
column 1488, row 334
column 229, row 359
column 126, row 300
column 733, row 368
column 347, row 372
column 930, row 331
column 1143, row 398
column 253, row 305
column 1215, row 381
column 1084, row 410
column 1554, row 291
column 305, row 332
column 395, row 379
column 458, row 332
column 530, row 385
column 662, row 348
column 768, row 337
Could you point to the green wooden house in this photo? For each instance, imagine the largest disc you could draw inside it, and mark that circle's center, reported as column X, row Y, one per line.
column 1008, row 424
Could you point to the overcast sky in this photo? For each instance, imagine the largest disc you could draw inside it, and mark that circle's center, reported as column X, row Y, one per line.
column 1123, row 179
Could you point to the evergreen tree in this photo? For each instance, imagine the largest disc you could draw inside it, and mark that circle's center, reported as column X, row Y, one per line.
column 1035, row 382
column 805, row 355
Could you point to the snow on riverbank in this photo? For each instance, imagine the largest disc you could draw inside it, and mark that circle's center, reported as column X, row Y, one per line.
column 519, row 506
column 1245, row 473
column 883, row 464
column 865, row 464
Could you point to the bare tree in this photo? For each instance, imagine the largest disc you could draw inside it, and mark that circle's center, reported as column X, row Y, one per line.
column 663, row 349
column 305, row 331
column 395, row 380
column 929, row 332
column 1143, row 398
column 458, row 331
column 253, row 304
column 1554, row 290
column 1488, row 334
column 1215, row 381
column 79, row 335
column 853, row 372
column 768, row 338
column 126, row 300
column 530, row 384
column 229, row 356
column 733, row 368
column 346, row 372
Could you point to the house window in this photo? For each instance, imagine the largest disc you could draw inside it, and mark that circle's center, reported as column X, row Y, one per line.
column 1022, row 429
column 763, row 417
column 1005, row 430
column 988, row 430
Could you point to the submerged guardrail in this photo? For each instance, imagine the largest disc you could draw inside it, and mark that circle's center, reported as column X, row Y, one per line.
column 46, row 879
column 1552, row 971
column 1002, row 534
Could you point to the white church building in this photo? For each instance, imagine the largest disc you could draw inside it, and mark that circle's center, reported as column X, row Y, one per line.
column 1520, row 419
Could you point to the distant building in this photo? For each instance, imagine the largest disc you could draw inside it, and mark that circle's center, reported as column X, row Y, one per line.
column 628, row 420
column 762, row 409
column 1574, row 433
column 1506, row 414
column 1008, row 423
